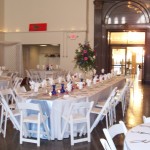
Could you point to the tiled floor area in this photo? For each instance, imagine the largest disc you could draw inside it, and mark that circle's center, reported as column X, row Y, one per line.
column 139, row 105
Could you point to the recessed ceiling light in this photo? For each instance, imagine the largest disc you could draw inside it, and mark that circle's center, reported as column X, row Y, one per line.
column 43, row 45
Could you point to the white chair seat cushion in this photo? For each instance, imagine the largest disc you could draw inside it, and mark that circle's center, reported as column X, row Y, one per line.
column 14, row 112
column 96, row 110
column 33, row 118
column 101, row 103
column 79, row 118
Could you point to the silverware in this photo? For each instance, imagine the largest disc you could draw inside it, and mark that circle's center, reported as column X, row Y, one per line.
column 140, row 132
column 140, row 141
column 143, row 125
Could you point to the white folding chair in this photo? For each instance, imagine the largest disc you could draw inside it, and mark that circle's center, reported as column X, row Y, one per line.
column 105, row 144
column 104, row 110
column 10, row 98
column 7, row 113
column 14, row 76
column 28, row 74
column 114, row 130
column 121, row 97
column 34, row 117
column 17, row 82
column 17, row 86
column 79, row 113
column 146, row 119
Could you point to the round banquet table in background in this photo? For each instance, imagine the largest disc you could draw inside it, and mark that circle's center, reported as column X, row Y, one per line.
column 138, row 138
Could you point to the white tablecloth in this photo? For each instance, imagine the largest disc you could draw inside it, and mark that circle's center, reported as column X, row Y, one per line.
column 138, row 138
column 56, row 106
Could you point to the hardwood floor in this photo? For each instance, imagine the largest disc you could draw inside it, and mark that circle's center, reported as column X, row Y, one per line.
column 138, row 106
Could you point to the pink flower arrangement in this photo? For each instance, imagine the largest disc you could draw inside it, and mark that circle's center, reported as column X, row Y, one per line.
column 85, row 57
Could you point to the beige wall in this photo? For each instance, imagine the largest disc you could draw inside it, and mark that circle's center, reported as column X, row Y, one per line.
column 1, row 15
column 58, row 14
column 63, row 17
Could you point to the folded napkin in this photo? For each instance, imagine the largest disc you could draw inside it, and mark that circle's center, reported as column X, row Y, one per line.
column 95, row 79
column 88, row 81
column 68, row 77
column 102, row 71
column 32, row 84
column 80, row 85
column 44, row 83
column 101, row 78
column 51, row 67
column 108, row 76
column 69, row 87
column 105, row 76
column 36, row 87
column 94, row 71
column 51, row 81
column 80, row 75
column 59, row 79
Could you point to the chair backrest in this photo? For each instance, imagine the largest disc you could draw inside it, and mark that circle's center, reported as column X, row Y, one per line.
column 113, row 92
column 114, row 130
column 105, row 144
column 8, row 94
column 104, row 108
column 80, row 107
column 146, row 119
column 123, row 92
column 27, row 108
column 17, row 82
column 7, row 108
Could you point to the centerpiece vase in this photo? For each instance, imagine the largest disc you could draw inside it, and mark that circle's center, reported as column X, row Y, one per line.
column 54, row 90
column 62, row 88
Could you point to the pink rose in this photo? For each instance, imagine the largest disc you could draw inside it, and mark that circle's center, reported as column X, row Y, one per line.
column 85, row 58
column 84, row 51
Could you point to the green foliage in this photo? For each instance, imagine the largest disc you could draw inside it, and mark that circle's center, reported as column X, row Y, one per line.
column 85, row 57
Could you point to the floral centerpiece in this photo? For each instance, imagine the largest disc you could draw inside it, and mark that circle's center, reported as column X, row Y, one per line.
column 85, row 58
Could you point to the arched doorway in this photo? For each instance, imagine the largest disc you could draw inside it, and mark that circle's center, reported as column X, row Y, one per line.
column 120, row 16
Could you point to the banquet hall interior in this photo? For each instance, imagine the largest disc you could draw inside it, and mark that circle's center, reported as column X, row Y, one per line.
column 58, row 55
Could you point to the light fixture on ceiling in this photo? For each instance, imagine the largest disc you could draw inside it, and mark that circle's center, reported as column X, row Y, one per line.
column 43, row 45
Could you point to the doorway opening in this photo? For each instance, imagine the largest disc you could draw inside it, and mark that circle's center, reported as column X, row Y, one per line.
column 127, row 51
column 128, row 60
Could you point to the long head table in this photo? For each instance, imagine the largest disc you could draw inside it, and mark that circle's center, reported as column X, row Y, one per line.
column 55, row 106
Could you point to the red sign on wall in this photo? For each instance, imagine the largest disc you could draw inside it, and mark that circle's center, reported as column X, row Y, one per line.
column 38, row 27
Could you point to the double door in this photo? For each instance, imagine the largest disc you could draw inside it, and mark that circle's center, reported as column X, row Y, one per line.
column 127, row 60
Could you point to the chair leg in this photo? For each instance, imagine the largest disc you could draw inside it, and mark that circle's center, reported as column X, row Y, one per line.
column 88, row 130
column 21, row 129
column 72, row 133
column 2, row 117
column 38, row 134
column 63, row 131
column 47, row 131
column 5, row 125
column 106, row 121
